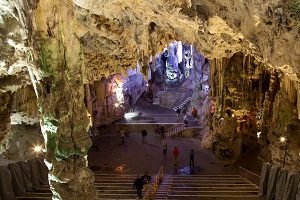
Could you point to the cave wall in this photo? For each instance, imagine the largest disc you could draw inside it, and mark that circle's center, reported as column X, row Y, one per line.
column 24, row 132
column 250, row 98
column 108, row 99
column 110, row 43
column 200, row 98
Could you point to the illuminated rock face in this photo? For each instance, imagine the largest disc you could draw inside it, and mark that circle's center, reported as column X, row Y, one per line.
column 64, row 120
column 256, row 100
column 65, row 46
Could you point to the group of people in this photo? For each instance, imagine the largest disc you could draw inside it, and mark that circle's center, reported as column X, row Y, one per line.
column 139, row 183
column 191, row 156
column 194, row 114
column 176, row 154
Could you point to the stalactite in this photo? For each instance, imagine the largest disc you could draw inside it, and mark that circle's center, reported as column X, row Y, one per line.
column 243, row 78
column 290, row 89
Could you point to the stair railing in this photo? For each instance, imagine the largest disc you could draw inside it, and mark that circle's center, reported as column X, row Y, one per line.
column 186, row 95
column 175, row 129
column 249, row 176
column 150, row 194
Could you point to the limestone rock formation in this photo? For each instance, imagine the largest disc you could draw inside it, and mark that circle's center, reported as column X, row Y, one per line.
column 64, row 120
column 58, row 46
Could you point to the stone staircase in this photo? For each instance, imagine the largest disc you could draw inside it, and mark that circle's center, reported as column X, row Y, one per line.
column 183, row 101
column 115, row 186
column 108, row 186
column 208, row 187
column 164, row 187
column 172, row 187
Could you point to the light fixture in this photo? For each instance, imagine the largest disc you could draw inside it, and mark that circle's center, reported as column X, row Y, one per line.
column 130, row 115
column 258, row 134
column 116, row 105
column 232, row 115
column 147, row 84
column 37, row 149
column 282, row 139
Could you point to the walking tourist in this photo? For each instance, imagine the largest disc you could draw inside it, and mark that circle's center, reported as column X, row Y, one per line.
column 192, row 163
column 175, row 155
column 138, row 185
column 144, row 134
column 122, row 134
column 165, row 148
column 194, row 113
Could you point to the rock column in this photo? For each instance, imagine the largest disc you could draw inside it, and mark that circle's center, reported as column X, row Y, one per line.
column 5, row 111
column 64, row 120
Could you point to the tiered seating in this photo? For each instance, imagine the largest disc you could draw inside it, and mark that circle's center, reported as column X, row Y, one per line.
column 206, row 187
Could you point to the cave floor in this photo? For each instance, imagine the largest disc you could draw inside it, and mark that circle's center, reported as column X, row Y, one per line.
column 136, row 157
column 155, row 114
column 109, row 155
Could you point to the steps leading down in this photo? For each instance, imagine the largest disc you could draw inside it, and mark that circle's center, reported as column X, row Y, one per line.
column 115, row 186
column 108, row 186
column 208, row 187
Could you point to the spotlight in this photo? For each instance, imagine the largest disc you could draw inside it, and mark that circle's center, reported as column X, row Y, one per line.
column 116, row 105
column 37, row 149
column 147, row 84
column 282, row 139
column 130, row 115
column 232, row 115
column 258, row 134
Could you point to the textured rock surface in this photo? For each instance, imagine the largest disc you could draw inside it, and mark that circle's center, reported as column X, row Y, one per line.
column 64, row 120
column 5, row 111
column 106, row 37
column 217, row 28
column 263, row 102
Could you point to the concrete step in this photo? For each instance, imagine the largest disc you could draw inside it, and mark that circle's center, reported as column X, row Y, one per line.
column 214, row 188
column 214, row 197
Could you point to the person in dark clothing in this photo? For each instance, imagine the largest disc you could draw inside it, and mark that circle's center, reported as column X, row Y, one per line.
column 146, row 178
column 144, row 134
column 165, row 148
column 157, row 130
column 178, row 112
column 192, row 159
column 162, row 131
column 138, row 185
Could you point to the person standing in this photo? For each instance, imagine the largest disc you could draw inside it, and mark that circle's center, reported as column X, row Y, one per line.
column 192, row 163
column 178, row 112
column 122, row 134
column 162, row 131
column 194, row 113
column 138, row 185
column 175, row 155
column 157, row 130
column 185, row 119
column 165, row 148
column 144, row 134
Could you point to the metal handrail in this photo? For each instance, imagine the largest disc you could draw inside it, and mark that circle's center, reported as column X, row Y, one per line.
column 175, row 129
column 249, row 176
column 154, row 185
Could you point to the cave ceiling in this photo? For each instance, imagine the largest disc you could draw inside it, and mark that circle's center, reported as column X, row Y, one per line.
column 121, row 32
column 116, row 34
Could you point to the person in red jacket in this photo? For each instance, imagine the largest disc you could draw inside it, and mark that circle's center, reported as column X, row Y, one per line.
column 194, row 114
column 175, row 155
